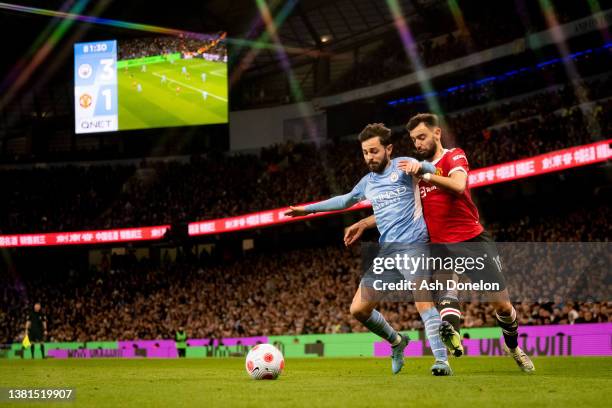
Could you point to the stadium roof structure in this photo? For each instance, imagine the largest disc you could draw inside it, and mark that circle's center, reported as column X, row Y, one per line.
column 332, row 26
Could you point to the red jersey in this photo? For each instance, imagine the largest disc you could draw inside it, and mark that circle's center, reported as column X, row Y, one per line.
column 450, row 217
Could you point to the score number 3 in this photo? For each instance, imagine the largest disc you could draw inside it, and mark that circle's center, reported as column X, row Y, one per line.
column 108, row 71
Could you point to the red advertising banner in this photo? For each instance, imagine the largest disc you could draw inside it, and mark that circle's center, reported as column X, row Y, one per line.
column 85, row 237
column 255, row 220
column 545, row 163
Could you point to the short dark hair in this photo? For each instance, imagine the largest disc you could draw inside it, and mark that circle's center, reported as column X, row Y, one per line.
column 429, row 119
column 376, row 130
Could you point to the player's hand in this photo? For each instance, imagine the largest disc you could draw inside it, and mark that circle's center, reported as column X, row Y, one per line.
column 353, row 233
column 296, row 211
column 410, row 167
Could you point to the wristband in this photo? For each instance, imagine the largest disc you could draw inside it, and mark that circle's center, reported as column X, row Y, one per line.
column 427, row 176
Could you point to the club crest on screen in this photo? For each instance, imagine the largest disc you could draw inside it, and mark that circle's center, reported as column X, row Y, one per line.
column 85, row 100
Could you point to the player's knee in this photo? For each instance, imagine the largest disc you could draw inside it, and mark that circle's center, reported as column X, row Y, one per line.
column 424, row 306
column 504, row 308
column 360, row 311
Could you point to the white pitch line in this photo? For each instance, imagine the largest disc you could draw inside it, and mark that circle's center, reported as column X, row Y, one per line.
column 191, row 87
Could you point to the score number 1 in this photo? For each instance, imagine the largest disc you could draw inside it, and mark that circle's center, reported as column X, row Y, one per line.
column 107, row 99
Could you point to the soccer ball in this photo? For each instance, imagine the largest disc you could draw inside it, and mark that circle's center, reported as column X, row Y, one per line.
column 264, row 362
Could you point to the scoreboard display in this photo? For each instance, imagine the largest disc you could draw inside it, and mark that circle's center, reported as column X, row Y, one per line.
column 95, row 87
column 153, row 82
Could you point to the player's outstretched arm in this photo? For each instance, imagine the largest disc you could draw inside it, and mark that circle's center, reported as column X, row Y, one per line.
column 332, row 204
column 355, row 231
column 296, row 211
column 335, row 203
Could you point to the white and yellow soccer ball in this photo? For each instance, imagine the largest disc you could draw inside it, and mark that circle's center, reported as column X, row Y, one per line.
column 264, row 362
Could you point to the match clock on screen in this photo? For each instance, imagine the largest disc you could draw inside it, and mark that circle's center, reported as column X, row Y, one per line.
column 95, row 87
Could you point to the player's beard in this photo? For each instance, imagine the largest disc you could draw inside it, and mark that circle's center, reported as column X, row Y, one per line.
column 427, row 153
column 379, row 167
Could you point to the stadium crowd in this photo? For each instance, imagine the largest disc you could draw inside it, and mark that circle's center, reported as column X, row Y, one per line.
column 544, row 131
column 162, row 45
column 292, row 292
column 155, row 193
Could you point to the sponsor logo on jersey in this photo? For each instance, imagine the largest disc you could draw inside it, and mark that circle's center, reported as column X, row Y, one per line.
column 423, row 190
column 387, row 197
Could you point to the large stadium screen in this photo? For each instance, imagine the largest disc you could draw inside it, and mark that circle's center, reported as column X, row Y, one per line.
column 163, row 81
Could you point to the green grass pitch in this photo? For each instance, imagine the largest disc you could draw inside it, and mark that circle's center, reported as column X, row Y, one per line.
column 160, row 105
column 348, row 382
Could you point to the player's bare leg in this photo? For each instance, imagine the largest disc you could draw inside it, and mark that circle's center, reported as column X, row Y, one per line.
column 363, row 309
column 507, row 320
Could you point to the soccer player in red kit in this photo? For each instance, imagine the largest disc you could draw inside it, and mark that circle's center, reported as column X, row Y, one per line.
column 452, row 217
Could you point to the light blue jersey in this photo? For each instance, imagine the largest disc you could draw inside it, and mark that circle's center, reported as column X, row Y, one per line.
column 395, row 199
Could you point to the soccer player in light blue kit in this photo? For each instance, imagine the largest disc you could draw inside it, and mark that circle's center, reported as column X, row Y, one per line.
column 396, row 204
